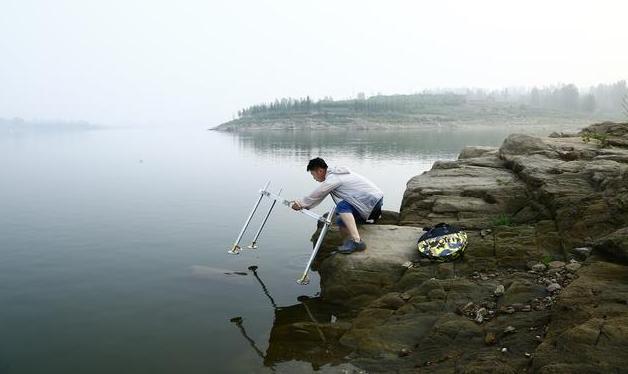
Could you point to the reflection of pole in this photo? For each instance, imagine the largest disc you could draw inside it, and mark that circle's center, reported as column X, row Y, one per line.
column 254, row 244
column 320, row 332
column 254, row 270
column 238, row 322
column 236, row 246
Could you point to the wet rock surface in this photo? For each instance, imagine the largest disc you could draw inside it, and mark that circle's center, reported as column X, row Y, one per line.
column 543, row 284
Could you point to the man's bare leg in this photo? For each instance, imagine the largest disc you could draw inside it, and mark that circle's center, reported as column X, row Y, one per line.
column 351, row 227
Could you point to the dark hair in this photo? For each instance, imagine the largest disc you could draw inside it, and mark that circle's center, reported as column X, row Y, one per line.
column 316, row 163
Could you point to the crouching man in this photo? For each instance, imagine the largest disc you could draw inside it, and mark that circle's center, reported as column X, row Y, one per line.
column 357, row 200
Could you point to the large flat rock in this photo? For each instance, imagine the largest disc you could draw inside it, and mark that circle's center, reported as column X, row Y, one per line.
column 362, row 276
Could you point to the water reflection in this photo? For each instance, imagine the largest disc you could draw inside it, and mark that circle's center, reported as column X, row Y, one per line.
column 308, row 331
column 376, row 144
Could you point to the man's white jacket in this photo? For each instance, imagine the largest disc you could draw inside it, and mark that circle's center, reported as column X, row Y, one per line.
column 343, row 184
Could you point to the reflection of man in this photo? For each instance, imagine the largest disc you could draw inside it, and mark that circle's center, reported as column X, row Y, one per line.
column 360, row 199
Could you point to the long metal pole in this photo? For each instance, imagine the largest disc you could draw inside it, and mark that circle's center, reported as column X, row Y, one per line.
column 288, row 203
column 254, row 243
column 235, row 250
column 304, row 279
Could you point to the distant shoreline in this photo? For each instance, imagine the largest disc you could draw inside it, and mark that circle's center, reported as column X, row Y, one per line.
column 317, row 123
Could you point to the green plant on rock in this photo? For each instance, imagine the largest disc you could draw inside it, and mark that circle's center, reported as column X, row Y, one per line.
column 546, row 259
column 600, row 137
column 502, row 220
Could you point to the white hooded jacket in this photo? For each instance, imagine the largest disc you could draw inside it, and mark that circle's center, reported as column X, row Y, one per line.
column 343, row 184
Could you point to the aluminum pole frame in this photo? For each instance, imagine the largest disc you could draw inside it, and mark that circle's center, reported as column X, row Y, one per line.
column 254, row 243
column 304, row 280
column 235, row 250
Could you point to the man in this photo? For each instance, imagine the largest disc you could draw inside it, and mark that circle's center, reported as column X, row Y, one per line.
column 357, row 200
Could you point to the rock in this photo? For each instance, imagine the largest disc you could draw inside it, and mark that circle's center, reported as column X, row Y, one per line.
column 490, row 338
column 404, row 352
column 573, row 267
column 504, row 350
column 553, row 287
column 581, row 253
column 614, row 245
column 530, row 200
column 499, row 291
column 388, row 218
column 361, row 277
column 476, row 151
column 521, row 291
column 509, row 330
column 461, row 193
column 539, row 267
column 556, row 264
column 479, row 315
column 389, row 301
column 588, row 332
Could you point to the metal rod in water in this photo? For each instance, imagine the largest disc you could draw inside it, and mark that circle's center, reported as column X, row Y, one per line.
column 236, row 246
column 254, row 243
column 304, row 279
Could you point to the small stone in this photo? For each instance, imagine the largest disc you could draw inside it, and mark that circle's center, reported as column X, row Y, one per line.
column 490, row 338
column 407, row 264
column 573, row 267
column 539, row 338
column 509, row 329
column 499, row 290
column 553, row 287
column 484, row 277
column 527, row 355
column 463, row 310
column 581, row 253
column 517, row 306
column 526, row 308
column 556, row 264
column 530, row 264
column 479, row 315
column 539, row 267
column 504, row 350
column 404, row 352
column 509, row 310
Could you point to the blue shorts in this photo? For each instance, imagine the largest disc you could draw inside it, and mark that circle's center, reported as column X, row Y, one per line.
column 345, row 207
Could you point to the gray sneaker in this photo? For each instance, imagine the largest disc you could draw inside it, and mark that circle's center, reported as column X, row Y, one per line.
column 351, row 246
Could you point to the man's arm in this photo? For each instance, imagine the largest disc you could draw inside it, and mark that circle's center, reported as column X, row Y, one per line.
column 318, row 195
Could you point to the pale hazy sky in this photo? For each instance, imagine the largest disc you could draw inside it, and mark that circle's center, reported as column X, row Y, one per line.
column 195, row 63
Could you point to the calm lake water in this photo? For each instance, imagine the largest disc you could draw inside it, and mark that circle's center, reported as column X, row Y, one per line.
column 113, row 245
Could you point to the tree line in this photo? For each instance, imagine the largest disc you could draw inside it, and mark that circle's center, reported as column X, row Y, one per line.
column 609, row 98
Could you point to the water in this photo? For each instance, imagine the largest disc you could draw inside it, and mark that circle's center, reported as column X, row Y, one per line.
column 113, row 245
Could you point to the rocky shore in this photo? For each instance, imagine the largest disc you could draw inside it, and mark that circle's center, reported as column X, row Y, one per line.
column 542, row 287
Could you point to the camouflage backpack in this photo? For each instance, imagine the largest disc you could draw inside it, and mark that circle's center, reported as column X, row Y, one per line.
column 442, row 242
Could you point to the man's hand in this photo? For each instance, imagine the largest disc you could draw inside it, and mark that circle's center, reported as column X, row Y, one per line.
column 296, row 206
